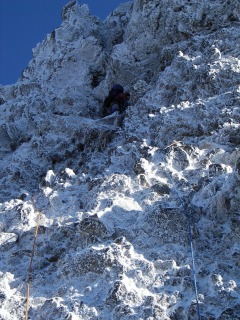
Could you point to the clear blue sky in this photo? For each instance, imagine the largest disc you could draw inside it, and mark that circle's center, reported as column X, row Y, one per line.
column 24, row 23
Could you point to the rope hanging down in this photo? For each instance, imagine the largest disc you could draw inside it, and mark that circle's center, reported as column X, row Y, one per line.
column 30, row 265
column 190, row 243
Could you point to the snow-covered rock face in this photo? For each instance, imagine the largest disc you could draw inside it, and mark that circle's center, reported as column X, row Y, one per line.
column 116, row 203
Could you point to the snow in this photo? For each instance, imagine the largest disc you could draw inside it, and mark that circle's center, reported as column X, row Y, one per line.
column 115, row 202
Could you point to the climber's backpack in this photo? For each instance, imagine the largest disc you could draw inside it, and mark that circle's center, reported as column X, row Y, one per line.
column 115, row 90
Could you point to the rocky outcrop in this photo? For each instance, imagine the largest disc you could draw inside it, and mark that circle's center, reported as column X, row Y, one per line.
column 124, row 209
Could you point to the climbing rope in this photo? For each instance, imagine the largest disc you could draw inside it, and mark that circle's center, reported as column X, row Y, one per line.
column 188, row 216
column 30, row 264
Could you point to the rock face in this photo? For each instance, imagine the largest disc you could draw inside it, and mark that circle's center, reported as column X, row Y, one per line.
column 118, row 205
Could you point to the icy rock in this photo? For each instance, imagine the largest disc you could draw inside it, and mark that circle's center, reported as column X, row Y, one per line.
column 164, row 221
column 165, row 264
column 50, row 177
column 118, row 293
column 230, row 313
column 67, row 7
column 90, row 261
column 53, row 308
column 161, row 189
column 114, row 233
column 94, row 226
column 237, row 167
column 7, row 240
column 138, row 168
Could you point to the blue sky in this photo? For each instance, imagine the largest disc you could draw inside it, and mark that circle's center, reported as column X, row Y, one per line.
column 24, row 23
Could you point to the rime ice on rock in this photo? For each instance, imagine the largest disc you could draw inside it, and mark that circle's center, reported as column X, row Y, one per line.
column 113, row 238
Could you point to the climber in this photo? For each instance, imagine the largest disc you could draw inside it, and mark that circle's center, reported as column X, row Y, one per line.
column 117, row 100
column 125, row 102
column 120, row 103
